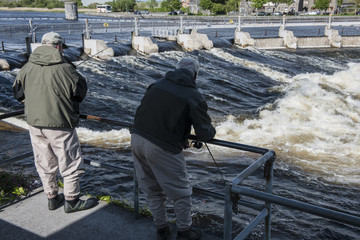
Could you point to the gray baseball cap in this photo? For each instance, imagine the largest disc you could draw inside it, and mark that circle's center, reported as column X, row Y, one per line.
column 189, row 64
column 53, row 38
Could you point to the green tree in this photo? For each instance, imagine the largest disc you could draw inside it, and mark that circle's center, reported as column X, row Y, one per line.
column 171, row 5
column 206, row 4
column 152, row 4
column 356, row 5
column 257, row 4
column 79, row 3
column 218, row 8
column 322, row 4
column 174, row 5
column 141, row 5
column 338, row 7
column 123, row 5
column 232, row 5
column 40, row 3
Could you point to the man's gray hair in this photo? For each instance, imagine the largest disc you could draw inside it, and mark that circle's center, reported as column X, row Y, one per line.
column 189, row 64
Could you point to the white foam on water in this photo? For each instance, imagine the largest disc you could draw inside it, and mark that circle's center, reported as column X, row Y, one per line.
column 17, row 122
column 264, row 69
column 319, row 62
column 105, row 139
column 135, row 61
column 314, row 126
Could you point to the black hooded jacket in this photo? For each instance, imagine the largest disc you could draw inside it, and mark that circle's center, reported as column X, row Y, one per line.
column 168, row 109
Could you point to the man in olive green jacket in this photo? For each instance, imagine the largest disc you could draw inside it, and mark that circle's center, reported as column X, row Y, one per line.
column 52, row 90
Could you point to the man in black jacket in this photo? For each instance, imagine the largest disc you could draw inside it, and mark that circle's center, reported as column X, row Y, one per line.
column 161, row 129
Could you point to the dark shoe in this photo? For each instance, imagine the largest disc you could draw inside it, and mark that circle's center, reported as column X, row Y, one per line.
column 163, row 233
column 55, row 202
column 79, row 205
column 191, row 234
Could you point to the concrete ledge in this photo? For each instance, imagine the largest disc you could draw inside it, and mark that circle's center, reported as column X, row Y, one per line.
column 98, row 48
column 4, row 65
column 33, row 46
column 243, row 39
column 350, row 41
column 194, row 41
column 269, row 43
column 144, row 45
column 289, row 40
column 313, row 42
column 334, row 37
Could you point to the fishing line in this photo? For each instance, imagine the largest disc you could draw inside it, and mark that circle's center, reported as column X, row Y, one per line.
column 222, row 176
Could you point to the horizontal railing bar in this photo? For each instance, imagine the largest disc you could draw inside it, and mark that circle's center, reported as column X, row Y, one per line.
column 234, row 145
column 17, row 158
column 220, row 196
column 305, row 207
column 252, row 225
column 192, row 137
column 208, row 193
column 11, row 114
column 100, row 119
column 218, row 142
column 253, row 167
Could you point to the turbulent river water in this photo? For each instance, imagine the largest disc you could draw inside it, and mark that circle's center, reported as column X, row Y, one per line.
column 303, row 104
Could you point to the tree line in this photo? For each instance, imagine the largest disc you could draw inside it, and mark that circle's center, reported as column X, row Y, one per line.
column 217, row 7
column 50, row 4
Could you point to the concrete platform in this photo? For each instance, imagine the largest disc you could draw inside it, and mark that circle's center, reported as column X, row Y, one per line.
column 30, row 219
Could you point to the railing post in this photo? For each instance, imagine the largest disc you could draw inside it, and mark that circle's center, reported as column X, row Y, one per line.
column 136, row 197
column 181, row 25
column 136, row 30
column 239, row 24
column 268, row 173
column 284, row 21
column 87, row 31
column 227, row 213
column 330, row 21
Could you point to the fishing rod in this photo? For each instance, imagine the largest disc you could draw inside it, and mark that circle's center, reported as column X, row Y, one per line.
column 100, row 119
column 91, row 56
column 218, row 142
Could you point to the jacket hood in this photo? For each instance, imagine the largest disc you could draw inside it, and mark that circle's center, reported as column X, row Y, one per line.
column 46, row 55
column 182, row 77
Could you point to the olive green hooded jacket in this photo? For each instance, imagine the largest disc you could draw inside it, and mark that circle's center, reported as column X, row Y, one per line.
column 52, row 89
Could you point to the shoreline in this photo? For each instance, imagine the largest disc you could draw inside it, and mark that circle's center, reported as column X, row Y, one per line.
column 29, row 9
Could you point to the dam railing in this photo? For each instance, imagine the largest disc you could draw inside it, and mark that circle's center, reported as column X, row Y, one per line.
column 148, row 23
column 233, row 190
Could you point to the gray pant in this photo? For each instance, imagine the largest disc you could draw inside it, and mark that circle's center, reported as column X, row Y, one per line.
column 57, row 149
column 162, row 174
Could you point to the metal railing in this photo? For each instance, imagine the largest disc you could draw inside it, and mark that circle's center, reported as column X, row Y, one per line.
column 127, row 24
column 232, row 190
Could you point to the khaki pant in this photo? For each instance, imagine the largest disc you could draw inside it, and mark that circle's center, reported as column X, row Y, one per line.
column 162, row 174
column 57, row 149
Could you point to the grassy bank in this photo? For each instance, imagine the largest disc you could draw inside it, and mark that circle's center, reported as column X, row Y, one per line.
column 13, row 186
